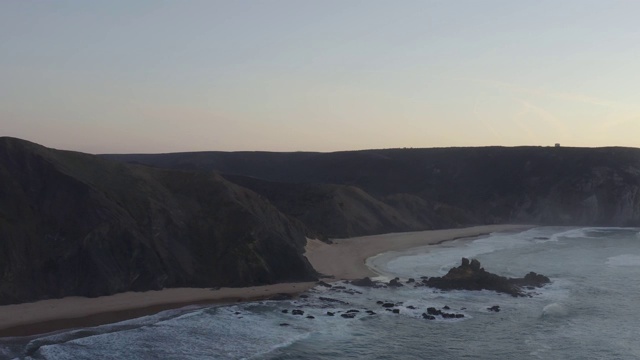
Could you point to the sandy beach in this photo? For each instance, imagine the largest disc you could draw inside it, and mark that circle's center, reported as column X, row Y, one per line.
column 344, row 259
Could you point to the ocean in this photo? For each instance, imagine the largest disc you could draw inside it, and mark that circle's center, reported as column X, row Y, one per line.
column 589, row 311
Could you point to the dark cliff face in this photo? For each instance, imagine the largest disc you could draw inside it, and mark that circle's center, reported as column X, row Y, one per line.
column 76, row 224
column 448, row 186
column 335, row 211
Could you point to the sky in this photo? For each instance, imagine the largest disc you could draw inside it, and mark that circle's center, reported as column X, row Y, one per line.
column 323, row 75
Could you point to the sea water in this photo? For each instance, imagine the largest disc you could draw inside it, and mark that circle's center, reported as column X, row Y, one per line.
column 589, row 311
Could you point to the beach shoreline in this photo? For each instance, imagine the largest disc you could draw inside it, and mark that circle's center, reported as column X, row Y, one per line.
column 344, row 259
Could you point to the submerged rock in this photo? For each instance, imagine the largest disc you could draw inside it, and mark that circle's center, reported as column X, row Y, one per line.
column 364, row 282
column 327, row 299
column 428, row 317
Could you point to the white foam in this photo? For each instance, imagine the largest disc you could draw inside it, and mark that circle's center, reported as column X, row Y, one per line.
column 570, row 234
column 624, row 260
column 437, row 260
column 554, row 310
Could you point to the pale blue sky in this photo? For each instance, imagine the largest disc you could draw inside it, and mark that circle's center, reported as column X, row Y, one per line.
column 161, row 76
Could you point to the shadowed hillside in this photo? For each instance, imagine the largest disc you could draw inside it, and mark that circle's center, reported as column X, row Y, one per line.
column 559, row 186
column 77, row 224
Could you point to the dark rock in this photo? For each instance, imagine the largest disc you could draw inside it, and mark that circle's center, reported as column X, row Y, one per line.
column 535, row 280
column 310, row 317
column 284, row 324
column 475, row 265
column 396, row 311
column 471, row 276
column 388, row 305
column 339, row 287
column 303, row 296
column 237, row 313
column 459, row 316
column 364, row 282
column 411, row 280
column 494, row 308
column 433, row 311
column 395, row 283
column 322, row 283
column 330, row 313
column 411, row 307
column 352, row 292
column 285, row 311
column 379, row 302
column 428, row 317
column 353, row 311
column 348, row 316
column 446, row 307
column 297, row 312
column 371, row 312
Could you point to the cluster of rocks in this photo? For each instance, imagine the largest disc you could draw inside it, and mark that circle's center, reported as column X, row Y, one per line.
column 433, row 312
column 468, row 276
column 471, row 276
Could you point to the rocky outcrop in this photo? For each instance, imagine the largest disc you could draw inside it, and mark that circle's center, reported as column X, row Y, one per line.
column 471, row 276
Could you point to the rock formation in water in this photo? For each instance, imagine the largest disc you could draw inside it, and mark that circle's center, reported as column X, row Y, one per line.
column 471, row 276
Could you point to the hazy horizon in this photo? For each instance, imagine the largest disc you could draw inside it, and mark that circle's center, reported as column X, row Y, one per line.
column 158, row 77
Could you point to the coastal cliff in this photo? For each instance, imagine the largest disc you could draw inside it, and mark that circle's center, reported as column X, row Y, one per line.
column 79, row 224
column 416, row 189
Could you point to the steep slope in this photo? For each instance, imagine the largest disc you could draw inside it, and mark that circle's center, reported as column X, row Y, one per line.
column 337, row 211
column 76, row 224
column 568, row 186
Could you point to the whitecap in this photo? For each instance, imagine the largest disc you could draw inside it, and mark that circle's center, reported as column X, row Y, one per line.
column 624, row 260
column 554, row 310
